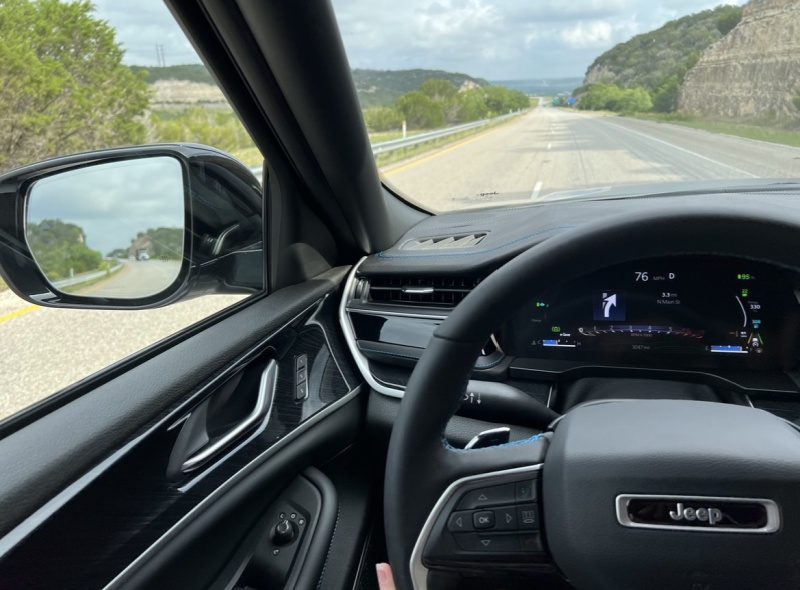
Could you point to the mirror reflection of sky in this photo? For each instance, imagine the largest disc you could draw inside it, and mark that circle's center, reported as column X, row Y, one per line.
column 113, row 202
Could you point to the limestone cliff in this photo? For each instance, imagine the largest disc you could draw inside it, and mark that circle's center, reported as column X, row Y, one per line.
column 753, row 72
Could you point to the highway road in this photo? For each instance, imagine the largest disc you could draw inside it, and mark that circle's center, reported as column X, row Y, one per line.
column 45, row 349
column 135, row 279
column 549, row 151
column 535, row 157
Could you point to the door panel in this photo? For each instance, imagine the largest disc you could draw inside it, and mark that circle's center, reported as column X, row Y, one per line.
column 113, row 498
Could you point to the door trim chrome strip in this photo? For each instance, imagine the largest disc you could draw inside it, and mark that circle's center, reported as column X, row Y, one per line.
column 350, row 338
column 235, row 478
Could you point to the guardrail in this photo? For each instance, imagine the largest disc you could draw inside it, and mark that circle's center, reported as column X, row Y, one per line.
column 86, row 277
column 385, row 147
column 397, row 144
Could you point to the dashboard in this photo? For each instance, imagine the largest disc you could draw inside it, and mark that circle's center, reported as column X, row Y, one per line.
column 683, row 312
column 729, row 324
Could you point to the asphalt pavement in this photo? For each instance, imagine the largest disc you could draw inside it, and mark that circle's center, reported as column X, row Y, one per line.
column 135, row 279
column 550, row 151
column 541, row 155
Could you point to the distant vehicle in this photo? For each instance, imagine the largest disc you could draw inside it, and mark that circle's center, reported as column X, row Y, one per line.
column 142, row 255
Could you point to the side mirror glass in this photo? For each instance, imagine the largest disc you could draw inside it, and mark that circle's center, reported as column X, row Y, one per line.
column 110, row 230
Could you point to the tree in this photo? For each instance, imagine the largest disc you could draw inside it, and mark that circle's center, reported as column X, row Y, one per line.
column 438, row 89
column 613, row 98
column 420, row 111
column 383, row 119
column 665, row 98
column 60, row 248
column 64, row 87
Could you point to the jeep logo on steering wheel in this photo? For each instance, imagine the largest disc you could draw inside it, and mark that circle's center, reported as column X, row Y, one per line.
column 710, row 515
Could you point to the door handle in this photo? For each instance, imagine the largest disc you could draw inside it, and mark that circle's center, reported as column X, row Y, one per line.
column 259, row 415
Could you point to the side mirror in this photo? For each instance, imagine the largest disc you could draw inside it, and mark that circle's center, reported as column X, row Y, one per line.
column 131, row 228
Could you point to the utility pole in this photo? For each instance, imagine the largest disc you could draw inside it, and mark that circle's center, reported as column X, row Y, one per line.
column 160, row 59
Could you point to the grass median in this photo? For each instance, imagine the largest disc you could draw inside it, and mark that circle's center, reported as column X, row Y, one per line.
column 766, row 132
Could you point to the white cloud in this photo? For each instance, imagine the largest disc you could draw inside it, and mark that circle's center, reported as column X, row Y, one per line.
column 494, row 39
column 593, row 34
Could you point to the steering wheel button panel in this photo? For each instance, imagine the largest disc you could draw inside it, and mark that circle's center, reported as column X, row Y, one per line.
column 483, row 519
column 526, row 491
column 488, row 543
column 505, row 519
column 531, row 543
column 460, row 522
column 528, row 516
column 490, row 496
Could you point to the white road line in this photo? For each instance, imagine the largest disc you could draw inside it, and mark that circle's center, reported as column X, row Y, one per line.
column 536, row 190
column 549, row 145
column 684, row 150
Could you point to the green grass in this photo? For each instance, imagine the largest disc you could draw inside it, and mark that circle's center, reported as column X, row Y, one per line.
column 769, row 133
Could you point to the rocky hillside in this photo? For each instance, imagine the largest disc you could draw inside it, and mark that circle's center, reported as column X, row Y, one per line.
column 192, row 84
column 753, row 72
column 183, row 93
column 380, row 88
column 650, row 59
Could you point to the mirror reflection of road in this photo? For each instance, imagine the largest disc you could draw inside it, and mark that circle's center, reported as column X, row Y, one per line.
column 135, row 279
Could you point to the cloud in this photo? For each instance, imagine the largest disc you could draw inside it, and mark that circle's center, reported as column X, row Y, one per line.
column 113, row 202
column 494, row 39
column 594, row 34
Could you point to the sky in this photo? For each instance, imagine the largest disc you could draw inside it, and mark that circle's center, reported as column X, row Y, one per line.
column 492, row 39
column 113, row 202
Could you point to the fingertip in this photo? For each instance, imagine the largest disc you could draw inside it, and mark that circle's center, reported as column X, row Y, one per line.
column 385, row 578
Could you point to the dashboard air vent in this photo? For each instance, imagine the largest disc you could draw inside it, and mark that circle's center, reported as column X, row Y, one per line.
column 422, row 291
column 445, row 242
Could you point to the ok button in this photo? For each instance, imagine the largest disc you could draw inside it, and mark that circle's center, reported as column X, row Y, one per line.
column 483, row 519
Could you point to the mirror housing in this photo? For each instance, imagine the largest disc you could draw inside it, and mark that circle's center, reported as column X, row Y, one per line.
column 223, row 228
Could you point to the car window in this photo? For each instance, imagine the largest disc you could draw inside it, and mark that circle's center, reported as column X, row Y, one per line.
column 477, row 104
column 79, row 77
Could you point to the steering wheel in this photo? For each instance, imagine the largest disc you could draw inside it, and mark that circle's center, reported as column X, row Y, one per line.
column 619, row 494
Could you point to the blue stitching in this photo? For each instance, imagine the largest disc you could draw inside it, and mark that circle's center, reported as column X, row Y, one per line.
column 499, row 247
column 516, row 443
column 416, row 358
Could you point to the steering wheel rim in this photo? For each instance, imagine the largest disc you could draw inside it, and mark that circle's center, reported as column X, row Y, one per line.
column 420, row 464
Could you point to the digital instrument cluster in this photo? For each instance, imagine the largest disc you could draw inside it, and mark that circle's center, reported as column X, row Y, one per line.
column 697, row 311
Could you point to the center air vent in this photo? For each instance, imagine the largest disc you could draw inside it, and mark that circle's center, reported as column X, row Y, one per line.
column 422, row 291
column 445, row 242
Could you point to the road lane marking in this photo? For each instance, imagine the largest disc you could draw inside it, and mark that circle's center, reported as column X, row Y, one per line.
column 442, row 152
column 537, row 188
column 684, row 150
column 549, row 145
column 19, row 313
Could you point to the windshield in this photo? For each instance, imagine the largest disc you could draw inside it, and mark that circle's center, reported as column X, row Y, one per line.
column 472, row 103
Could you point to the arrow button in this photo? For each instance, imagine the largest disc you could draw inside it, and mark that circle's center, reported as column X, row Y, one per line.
column 460, row 522
column 489, row 496
column 488, row 543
